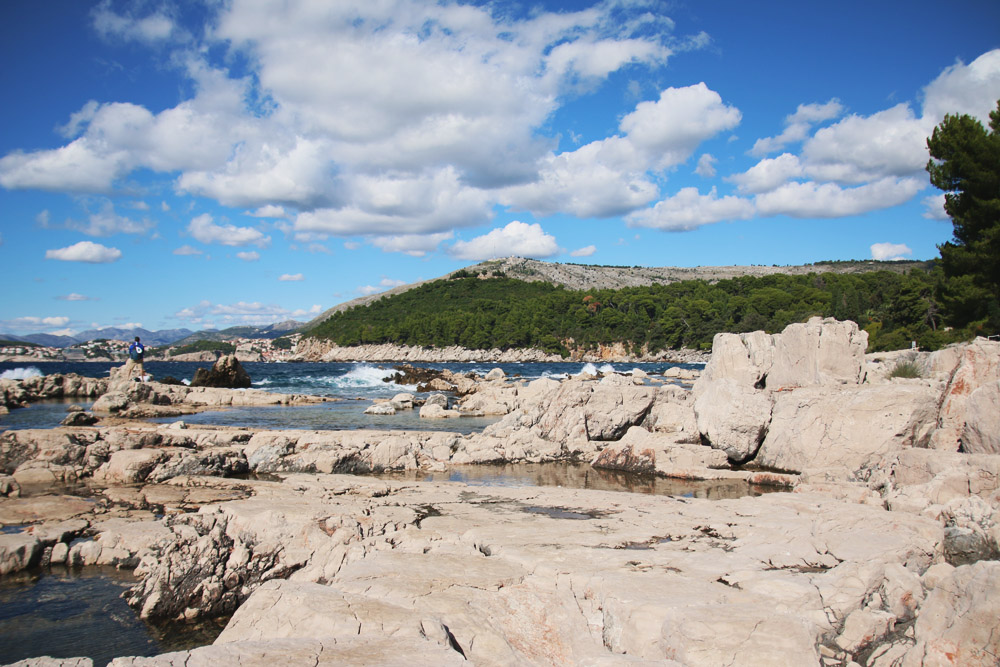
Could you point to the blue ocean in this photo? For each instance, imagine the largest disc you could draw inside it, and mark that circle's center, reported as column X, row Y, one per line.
column 354, row 385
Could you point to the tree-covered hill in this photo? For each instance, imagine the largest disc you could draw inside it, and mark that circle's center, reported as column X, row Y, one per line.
column 500, row 312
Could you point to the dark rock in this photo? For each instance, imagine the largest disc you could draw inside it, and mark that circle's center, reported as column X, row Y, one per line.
column 79, row 418
column 227, row 372
column 170, row 379
column 963, row 546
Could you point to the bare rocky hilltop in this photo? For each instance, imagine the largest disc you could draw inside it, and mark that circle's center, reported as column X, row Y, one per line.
column 588, row 276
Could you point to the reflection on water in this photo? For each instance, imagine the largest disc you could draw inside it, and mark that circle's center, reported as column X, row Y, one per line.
column 41, row 414
column 582, row 476
column 66, row 613
column 343, row 415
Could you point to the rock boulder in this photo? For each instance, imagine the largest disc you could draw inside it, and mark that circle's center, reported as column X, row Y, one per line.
column 227, row 372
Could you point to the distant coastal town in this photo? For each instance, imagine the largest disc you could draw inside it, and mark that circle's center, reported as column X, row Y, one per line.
column 116, row 351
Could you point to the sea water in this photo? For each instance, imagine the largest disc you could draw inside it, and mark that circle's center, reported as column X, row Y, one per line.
column 355, row 385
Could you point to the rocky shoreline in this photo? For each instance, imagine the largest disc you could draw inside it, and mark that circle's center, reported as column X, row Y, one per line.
column 884, row 552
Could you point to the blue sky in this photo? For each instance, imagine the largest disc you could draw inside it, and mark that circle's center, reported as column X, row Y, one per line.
column 207, row 164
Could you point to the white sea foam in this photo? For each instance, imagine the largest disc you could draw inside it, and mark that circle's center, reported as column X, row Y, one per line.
column 591, row 369
column 21, row 373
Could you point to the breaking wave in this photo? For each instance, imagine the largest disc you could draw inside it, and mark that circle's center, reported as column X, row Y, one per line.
column 21, row 373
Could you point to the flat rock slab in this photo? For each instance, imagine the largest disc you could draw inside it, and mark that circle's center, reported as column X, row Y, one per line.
column 38, row 509
column 527, row 575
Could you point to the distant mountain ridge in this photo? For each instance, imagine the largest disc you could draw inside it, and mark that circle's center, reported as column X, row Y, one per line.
column 157, row 338
column 591, row 276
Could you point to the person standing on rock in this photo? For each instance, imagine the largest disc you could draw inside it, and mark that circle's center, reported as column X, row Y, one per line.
column 135, row 354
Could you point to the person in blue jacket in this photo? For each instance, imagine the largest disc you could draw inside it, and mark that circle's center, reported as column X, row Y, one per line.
column 135, row 353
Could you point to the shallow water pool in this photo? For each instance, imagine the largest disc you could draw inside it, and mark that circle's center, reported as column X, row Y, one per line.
column 67, row 612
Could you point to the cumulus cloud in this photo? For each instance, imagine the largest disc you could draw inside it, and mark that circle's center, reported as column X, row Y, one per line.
column 415, row 245
column 611, row 176
column 517, row 238
column 155, row 27
column 107, row 222
column 798, row 126
column 269, row 211
column 73, row 296
column 706, row 166
column 890, row 251
column 186, row 250
column 585, row 251
column 828, row 200
column 384, row 284
column 768, row 174
column 688, row 209
column 207, row 314
column 34, row 324
column 935, row 207
column 249, row 256
column 291, row 277
column 85, row 251
column 970, row 89
column 204, row 229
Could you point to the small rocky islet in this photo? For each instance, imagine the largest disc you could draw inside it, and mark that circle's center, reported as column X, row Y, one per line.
column 882, row 551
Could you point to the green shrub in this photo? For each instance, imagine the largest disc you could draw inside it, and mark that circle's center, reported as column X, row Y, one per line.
column 905, row 369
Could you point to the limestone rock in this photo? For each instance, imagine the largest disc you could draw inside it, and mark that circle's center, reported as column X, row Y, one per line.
column 18, row 551
column 226, row 372
column 435, row 411
column 981, row 434
column 495, row 374
column 386, row 408
column 848, row 427
column 957, row 624
column 977, row 364
column 79, row 418
column 733, row 417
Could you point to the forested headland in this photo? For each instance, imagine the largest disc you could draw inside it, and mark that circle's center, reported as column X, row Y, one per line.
column 498, row 312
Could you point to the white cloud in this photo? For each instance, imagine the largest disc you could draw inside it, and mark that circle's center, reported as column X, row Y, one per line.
column 384, row 284
column 205, row 230
column 935, row 207
column 827, row 200
column 187, row 250
column 797, row 126
column 415, row 245
column 156, row 27
column 768, row 174
column 970, row 89
column 517, row 238
column 890, row 251
column 706, row 166
column 316, row 309
column 30, row 324
column 861, row 149
column 387, row 204
column 107, row 222
column 85, row 251
column 585, row 251
column 368, row 290
column 668, row 131
column 269, row 211
column 291, row 277
column 73, row 296
column 688, row 210
column 249, row 256
column 207, row 314
column 610, row 177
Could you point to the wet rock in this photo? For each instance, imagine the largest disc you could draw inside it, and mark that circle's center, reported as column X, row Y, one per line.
column 18, row 551
column 79, row 418
column 227, row 372
column 381, row 409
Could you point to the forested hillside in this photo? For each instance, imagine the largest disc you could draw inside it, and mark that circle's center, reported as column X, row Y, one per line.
column 500, row 312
